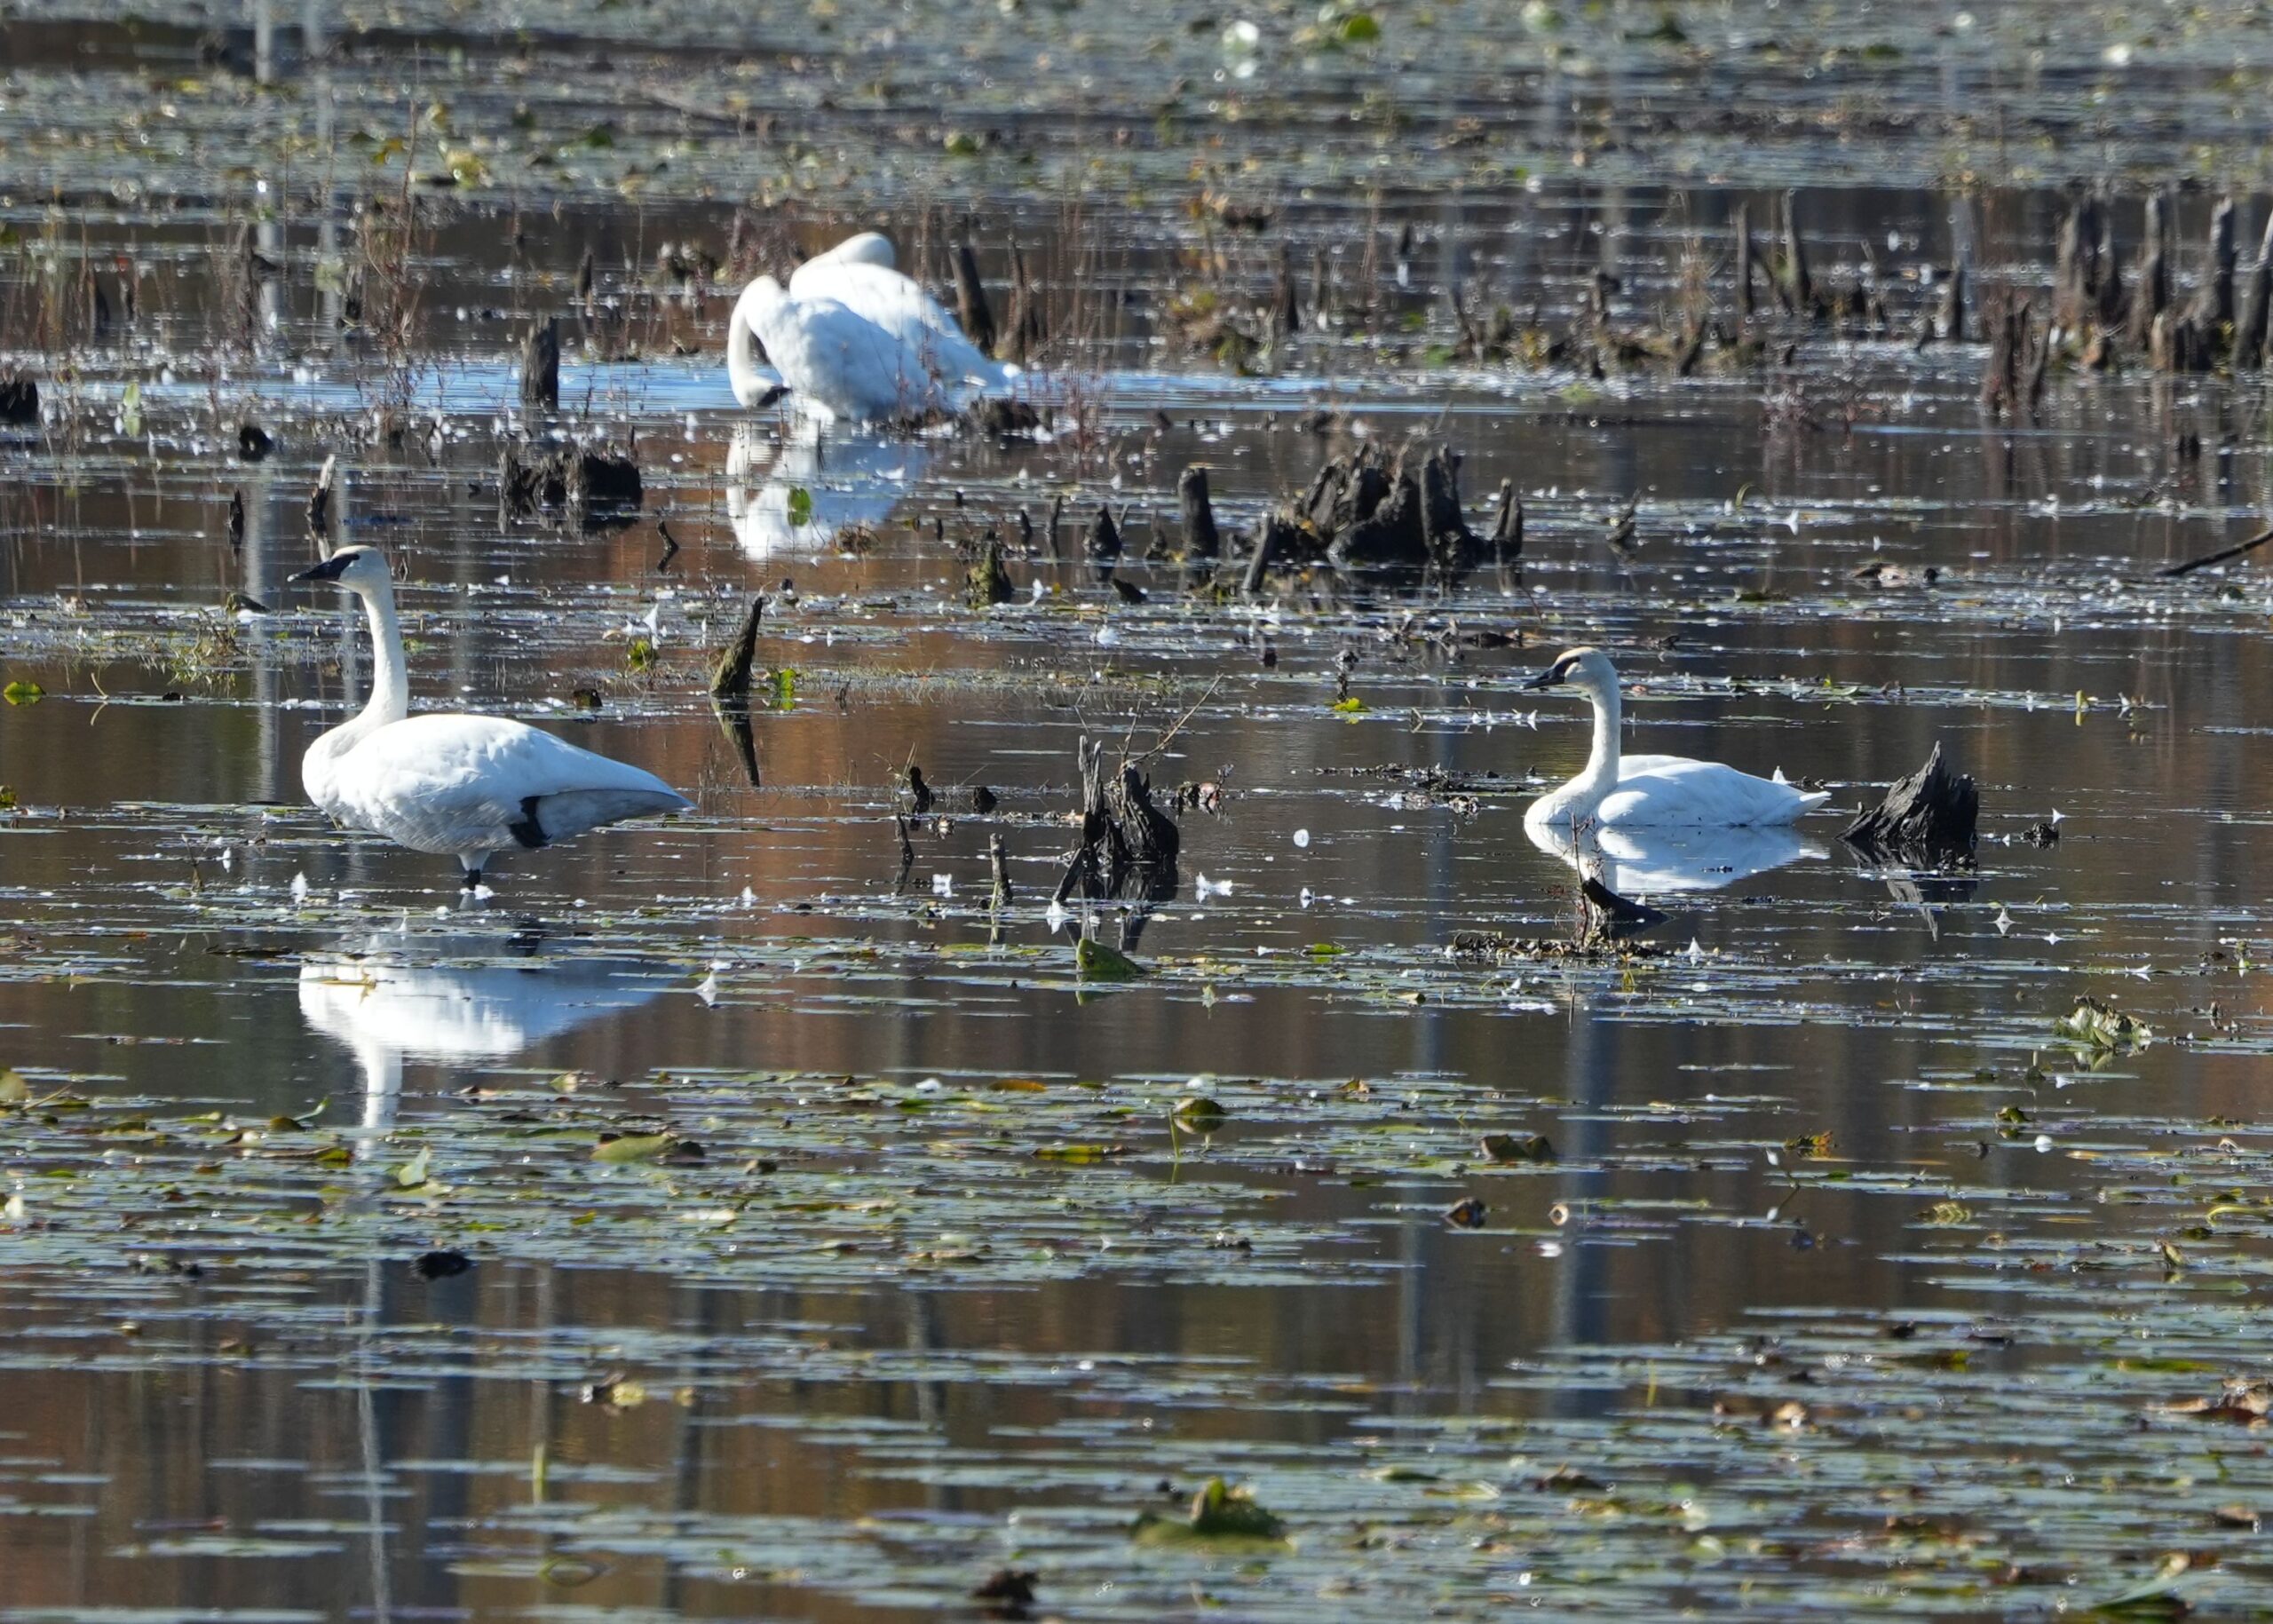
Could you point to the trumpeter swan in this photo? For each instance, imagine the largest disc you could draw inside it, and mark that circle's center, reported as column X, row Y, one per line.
column 853, row 340
column 1658, row 790
column 456, row 785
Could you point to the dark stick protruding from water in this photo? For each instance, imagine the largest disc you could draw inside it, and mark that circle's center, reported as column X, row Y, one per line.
column 2213, row 301
column 986, row 582
column 323, row 510
column 1028, row 332
column 2257, row 295
column 1285, row 308
column 1103, row 542
column 1799, row 286
column 730, row 677
column 2221, row 556
column 1507, row 529
column 1000, row 862
column 2151, row 289
column 1744, row 304
column 971, row 298
column 1201, row 540
column 1949, row 322
column 541, row 366
column 1273, row 541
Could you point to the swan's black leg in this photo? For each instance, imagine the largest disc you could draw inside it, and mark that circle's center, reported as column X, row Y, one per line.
column 472, row 879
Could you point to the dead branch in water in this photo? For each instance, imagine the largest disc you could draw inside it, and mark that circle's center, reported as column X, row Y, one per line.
column 2219, row 556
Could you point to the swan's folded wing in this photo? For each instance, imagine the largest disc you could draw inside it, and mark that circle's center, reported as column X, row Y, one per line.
column 838, row 360
column 461, row 783
column 900, row 307
column 1668, row 790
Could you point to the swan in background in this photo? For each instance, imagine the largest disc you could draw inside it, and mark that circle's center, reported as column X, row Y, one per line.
column 850, row 482
column 1643, row 861
column 1617, row 790
column 871, row 248
column 862, row 273
column 452, row 784
column 393, row 995
column 852, row 340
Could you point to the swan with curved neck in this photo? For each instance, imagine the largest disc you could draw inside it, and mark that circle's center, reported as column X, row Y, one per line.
column 851, row 339
column 449, row 783
column 1615, row 788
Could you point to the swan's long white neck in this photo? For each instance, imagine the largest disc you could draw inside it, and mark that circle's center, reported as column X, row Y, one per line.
column 1600, row 776
column 749, row 383
column 390, row 699
column 1575, row 802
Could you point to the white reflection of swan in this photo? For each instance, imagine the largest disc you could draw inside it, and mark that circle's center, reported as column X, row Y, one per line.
column 851, row 480
column 1657, row 862
column 456, row 997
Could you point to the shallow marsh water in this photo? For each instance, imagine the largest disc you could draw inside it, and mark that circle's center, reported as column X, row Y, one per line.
column 1852, row 1283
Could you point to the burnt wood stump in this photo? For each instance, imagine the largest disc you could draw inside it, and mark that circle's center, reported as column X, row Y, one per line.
column 1926, row 820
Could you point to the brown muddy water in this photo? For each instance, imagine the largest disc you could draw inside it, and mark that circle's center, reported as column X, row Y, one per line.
column 724, row 1219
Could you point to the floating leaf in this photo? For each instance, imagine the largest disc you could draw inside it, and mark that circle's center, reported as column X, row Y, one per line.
column 1220, row 1517
column 1509, row 1147
column 21, row 693
column 14, row 1089
column 1099, row 962
column 801, row 505
column 1201, row 1113
column 631, row 1148
column 412, row 1173
column 2096, row 1026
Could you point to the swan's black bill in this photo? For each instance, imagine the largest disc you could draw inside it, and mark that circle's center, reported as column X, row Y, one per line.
column 1552, row 676
column 328, row 570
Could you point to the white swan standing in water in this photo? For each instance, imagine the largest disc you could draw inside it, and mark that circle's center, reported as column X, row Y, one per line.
column 456, row 785
column 1659, row 791
column 849, row 483
column 852, row 340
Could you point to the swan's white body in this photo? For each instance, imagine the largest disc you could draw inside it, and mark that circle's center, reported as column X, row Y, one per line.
column 1617, row 790
column 854, row 341
column 452, row 784
column 848, row 481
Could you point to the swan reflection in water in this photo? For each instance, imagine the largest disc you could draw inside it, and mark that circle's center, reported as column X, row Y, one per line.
column 1667, row 861
column 456, row 996
column 853, row 481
